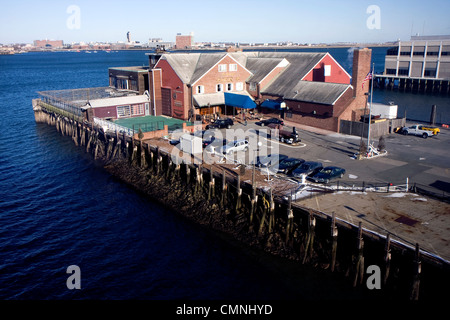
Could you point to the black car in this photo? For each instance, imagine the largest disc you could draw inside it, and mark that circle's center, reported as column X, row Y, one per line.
column 308, row 168
column 221, row 123
column 269, row 160
column 287, row 165
column 328, row 173
column 270, row 121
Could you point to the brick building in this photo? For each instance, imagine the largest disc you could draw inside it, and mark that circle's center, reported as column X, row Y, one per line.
column 49, row 44
column 184, row 41
column 306, row 88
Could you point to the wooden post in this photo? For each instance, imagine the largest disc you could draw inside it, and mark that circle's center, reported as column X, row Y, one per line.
column 211, row 184
column 359, row 270
column 334, row 235
column 290, row 217
column 266, row 208
column 387, row 258
column 416, row 278
column 239, row 192
column 224, row 187
column 253, row 204
column 310, row 237
column 143, row 162
column 271, row 211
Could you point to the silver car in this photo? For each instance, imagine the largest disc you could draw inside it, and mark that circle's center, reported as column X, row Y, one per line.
column 234, row 146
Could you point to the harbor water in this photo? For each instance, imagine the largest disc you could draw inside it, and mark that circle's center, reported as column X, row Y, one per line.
column 59, row 208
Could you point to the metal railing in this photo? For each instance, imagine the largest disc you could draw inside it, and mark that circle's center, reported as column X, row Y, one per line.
column 113, row 127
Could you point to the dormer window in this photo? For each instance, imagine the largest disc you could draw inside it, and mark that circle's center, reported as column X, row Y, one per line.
column 222, row 68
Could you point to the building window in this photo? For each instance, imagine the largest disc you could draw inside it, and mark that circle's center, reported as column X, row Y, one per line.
column 233, row 67
column 123, row 111
column 222, row 68
column 122, row 84
column 252, row 86
column 239, row 86
column 219, row 87
column 134, row 85
column 430, row 73
column 327, row 70
column 390, row 71
column 229, row 87
column 403, row 72
column 137, row 109
column 200, row 89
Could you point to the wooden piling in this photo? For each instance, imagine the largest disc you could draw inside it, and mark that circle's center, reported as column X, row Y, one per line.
column 309, row 237
column 359, row 264
column 334, row 235
column 238, row 193
column 290, row 217
column 416, row 277
column 387, row 258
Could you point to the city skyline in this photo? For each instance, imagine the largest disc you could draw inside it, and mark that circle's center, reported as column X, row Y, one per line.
column 237, row 21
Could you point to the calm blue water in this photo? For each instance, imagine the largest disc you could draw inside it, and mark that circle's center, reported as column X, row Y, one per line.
column 58, row 208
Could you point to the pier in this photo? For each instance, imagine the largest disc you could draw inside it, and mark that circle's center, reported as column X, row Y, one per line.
column 238, row 202
column 412, row 85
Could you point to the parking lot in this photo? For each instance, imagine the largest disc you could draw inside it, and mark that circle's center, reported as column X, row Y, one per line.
column 423, row 161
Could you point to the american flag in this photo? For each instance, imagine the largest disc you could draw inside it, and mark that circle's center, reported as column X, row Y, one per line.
column 368, row 77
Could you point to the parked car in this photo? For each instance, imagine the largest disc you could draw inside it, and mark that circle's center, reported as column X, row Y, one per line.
column 269, row 160
column 416, row 130
column 221, row 123
column 234, row 146
column 307, row 168
column 286, row 165
column 269, row 121
column 289, row 136
column 327, row 174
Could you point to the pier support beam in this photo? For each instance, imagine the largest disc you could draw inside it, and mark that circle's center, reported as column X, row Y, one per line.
column 359, row 263
column 416, row 277
column 334, row 235
column 309, row 237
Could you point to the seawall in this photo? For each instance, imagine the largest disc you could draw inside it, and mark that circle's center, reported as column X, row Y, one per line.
column 223, row 202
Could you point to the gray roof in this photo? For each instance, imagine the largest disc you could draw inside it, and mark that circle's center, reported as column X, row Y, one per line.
column 260, row 67
column 300, row 63
column 314, row 92
column 288, row 84
column 184, row 64
column 204, row 63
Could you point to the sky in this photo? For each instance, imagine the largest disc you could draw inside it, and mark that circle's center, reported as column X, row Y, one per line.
column 249, row 21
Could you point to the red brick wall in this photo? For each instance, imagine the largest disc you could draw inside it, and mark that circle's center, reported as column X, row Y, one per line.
column 183, row 42
column 338, row 74
column 214, row 77
column 107, row 112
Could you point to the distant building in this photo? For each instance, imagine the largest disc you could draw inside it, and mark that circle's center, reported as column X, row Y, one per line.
column 48, row 44
column 422, row 57
column 184, row 41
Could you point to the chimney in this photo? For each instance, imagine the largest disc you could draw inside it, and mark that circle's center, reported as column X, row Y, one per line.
column 361, row 67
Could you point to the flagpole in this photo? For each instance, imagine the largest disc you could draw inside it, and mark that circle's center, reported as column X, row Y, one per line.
column 370, row 109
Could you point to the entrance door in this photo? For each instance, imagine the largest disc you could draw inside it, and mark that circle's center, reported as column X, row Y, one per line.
column 166, row 102
column 147, row 109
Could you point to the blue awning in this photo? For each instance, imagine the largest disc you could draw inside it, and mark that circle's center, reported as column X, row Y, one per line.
column 239, row 101
column 271, row 104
